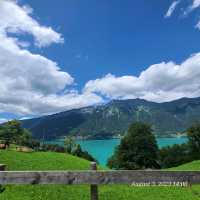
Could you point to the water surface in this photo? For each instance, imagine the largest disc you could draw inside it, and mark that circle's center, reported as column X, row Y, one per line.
column 103, row 149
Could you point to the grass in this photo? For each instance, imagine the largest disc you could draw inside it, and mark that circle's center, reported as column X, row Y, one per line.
column 58, row 161
column 195, row 165
column 42, row 161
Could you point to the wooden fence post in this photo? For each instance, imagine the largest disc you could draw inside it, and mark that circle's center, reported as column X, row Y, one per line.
column 94, row 188
column 2, row 168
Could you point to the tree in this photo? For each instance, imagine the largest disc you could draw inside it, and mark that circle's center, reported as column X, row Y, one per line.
column 33, row 143
column 70, row 144
column 137, row 150
column 193, row 134
column 53, row 148
column 78, row 151
column 24, row 138
column 83, row 154
column 11, row 131
column 185, row 152
column 167, row 158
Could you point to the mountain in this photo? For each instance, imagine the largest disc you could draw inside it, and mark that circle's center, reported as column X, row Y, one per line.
column 109, row 120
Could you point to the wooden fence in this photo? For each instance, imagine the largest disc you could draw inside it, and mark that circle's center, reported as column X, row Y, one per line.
column 95, row 178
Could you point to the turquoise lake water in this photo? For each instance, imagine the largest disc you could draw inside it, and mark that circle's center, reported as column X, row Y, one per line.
column 103, row 149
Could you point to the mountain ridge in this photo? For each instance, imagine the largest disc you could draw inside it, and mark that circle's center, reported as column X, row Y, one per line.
column 111, row 119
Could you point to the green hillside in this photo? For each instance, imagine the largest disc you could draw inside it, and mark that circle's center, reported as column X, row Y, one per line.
column 195, row 165
column 59, row 161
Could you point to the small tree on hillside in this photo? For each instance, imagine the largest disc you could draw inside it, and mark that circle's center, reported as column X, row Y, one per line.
column 10, row 131
column 70, row 144
column 13, row 132
column 24, row 138
column 194, row 140
column 137, row 150
column 82, row 154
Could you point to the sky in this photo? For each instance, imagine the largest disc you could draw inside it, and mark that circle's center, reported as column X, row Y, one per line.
column 66, row 54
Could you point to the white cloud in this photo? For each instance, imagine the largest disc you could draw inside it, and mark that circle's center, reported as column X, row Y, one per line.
column 172, row 9
column 195, row 4
column 16, row 19
column 198, row 25
column 31, row 103
column 160, row 82
column 31, row 83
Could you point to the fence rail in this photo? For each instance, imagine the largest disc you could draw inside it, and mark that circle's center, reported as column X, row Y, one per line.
column 94, row 177
column 98, row 177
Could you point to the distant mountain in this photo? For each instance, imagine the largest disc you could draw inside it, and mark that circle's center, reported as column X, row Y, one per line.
column 114, row 118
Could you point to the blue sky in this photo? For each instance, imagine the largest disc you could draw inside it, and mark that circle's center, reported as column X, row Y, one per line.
column 115, row 37
column 96, row 51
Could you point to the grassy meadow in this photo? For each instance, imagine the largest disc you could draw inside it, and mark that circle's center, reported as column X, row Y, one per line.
column 58, row 161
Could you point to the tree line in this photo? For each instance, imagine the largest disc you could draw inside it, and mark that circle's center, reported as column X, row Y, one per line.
column 138, row 149
column 12, row 132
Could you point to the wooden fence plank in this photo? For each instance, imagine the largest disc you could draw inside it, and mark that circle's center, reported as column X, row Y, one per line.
column 98, row 177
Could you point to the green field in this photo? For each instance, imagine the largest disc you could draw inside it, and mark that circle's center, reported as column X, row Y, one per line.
column 58, row 161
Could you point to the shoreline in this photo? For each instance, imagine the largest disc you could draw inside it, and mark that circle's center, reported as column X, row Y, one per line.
column 112, row 138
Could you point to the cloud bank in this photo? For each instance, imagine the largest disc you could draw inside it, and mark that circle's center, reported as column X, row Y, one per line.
column 159, row 82
column 32, row 83
column 16, row 19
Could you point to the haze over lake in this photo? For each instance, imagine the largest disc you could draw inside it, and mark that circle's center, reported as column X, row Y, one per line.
column 103, row 149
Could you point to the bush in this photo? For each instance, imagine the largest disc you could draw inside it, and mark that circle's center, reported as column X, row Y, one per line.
column 174, row 155
column 180, row 154
column 53, row 148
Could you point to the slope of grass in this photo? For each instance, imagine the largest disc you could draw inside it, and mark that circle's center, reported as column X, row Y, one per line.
column 58, row 161
column 195, row 165
column 42, row 161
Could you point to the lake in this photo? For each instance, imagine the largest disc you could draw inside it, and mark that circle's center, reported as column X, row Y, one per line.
column 103, row 149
